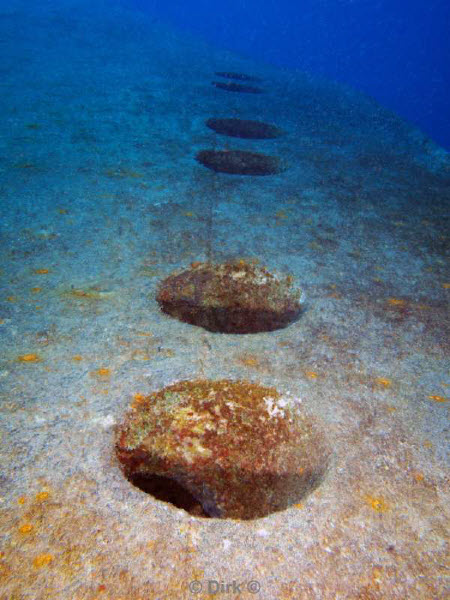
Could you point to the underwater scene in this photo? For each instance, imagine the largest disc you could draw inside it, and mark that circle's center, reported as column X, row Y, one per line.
column 224, row 320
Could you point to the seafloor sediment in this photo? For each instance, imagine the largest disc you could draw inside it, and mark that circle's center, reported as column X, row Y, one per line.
column 103, row 114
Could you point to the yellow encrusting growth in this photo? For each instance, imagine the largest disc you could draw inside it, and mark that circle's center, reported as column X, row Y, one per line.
column 249, row 360
column 31, row 357
column 438, row 398
column 311, row 374
column 377, row 503
column 42, row 560
column 138, row 399
column 396, row 302
column 103, row 373
column 41, row 496
column 383, row 381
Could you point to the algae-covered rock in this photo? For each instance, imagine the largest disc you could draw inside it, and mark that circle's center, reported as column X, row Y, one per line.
column 233, row 297
column 241, row 450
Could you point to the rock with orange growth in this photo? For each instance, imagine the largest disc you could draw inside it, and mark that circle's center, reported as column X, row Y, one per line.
column 241, row 450
column 233, row 297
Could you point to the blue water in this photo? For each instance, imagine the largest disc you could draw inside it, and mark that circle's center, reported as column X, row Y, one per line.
column 395, row 51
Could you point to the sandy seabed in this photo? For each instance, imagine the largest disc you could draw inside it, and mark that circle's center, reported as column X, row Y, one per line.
column 103, row 113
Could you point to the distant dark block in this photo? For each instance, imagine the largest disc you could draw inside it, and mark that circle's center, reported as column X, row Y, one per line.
column 238, row 87
column 239, row 162
column 239, row 76
column 256, row 130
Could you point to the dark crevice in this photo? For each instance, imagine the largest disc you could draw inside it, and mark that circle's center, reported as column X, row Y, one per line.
column 168, row 490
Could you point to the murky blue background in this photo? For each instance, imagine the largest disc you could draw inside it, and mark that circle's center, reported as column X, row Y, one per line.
column 396, row 51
